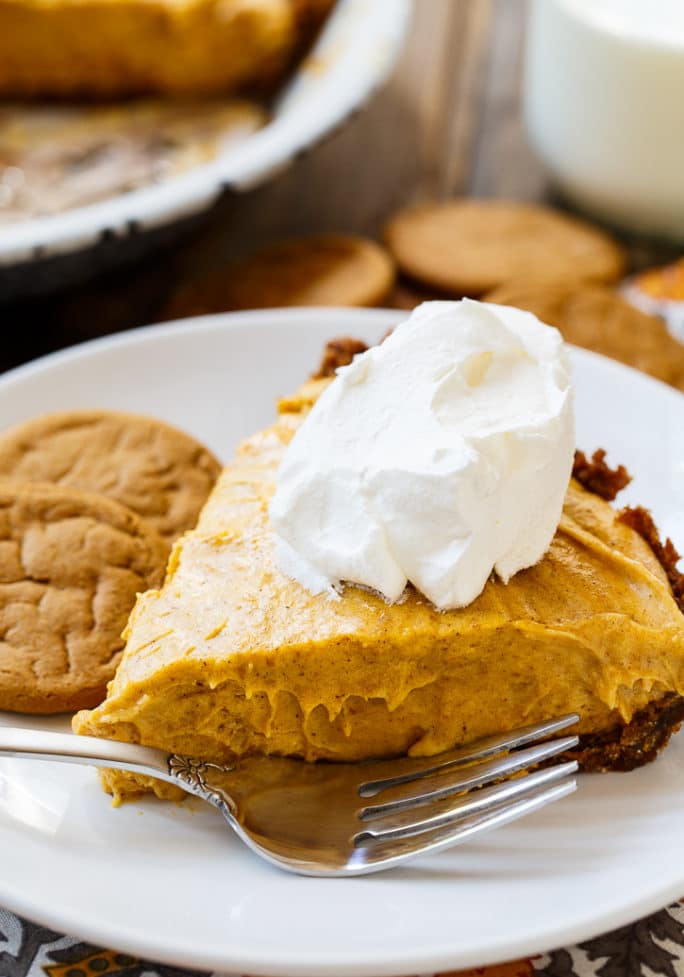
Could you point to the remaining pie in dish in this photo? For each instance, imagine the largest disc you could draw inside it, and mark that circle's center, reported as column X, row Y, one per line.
column 232, row 657
column 109, row 48
column 61, row 156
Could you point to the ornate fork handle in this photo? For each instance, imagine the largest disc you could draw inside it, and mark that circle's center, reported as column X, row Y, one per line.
column 193, row 775
column 184, row 772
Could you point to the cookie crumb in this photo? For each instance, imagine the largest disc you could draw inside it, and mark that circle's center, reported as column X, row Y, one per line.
column 338, row 352
column 598, row 477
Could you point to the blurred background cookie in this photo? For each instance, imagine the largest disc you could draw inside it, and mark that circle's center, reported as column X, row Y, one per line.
column 71, row 564
column 599, row 319
column 161, row 473
column 320, row 269
column 466, row 247
column 407, row 295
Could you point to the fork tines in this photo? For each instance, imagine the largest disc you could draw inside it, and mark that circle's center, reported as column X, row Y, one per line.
column 467, row 790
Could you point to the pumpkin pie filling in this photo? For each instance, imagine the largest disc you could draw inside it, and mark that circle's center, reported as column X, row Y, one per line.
column 232, row 657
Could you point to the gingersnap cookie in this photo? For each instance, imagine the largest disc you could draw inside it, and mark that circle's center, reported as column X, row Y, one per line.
column 597, row 318
column 161, row 473
column 71, row 564
column 321, row 269
column 467, row 247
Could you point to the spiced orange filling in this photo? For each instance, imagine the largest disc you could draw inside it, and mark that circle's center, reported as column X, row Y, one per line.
column 232, row 657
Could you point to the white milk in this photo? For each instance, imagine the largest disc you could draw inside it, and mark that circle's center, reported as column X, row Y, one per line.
column 604, row 106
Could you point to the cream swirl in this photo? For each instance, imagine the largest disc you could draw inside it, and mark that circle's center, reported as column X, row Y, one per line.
column 435, row 458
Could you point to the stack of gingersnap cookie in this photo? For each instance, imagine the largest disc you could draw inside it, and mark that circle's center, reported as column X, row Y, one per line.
column 90, row 503
column 562, row 268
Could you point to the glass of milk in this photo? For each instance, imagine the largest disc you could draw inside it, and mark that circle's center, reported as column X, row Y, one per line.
column 604, row 107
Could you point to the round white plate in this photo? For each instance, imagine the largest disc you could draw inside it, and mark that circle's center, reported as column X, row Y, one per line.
column 172, row 883
column 353, row 55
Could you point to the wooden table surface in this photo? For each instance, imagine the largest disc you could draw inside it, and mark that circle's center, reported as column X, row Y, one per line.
column 448, row 122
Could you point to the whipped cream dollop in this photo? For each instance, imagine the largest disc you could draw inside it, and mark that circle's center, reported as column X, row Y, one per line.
column 437, row 457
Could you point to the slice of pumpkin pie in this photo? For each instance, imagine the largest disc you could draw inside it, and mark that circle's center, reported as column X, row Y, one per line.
column 233, row 656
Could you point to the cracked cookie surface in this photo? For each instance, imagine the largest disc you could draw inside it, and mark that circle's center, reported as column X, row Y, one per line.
column 153, row 468
column 71, row 564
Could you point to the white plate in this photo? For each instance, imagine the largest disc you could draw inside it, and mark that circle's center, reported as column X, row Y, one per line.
column 171, row 883
column 353, row 55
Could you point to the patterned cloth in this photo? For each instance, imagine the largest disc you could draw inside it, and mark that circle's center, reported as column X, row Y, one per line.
column 653, row 946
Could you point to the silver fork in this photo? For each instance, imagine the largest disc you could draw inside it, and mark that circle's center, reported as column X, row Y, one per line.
column 340, row 819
